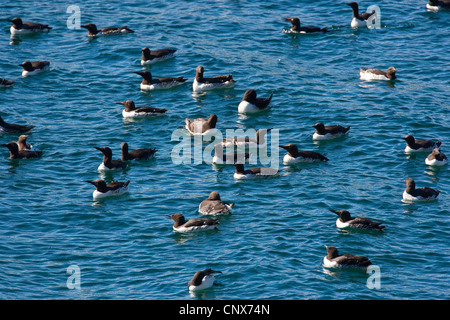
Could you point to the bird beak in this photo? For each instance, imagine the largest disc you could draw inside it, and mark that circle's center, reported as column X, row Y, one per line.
column 334, row 211
column 122, row 103
column 20, row 65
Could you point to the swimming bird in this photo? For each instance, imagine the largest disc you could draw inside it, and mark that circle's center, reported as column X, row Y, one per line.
column 192, row 225
column 413, row 145
column 148, row 83
column 345, row 220
column 252, row 173
column 12, row 127
column 258, row 141
column 34, row 67
column 377, row 74
column 359, row 20
column 14, row 152
column 138, row 154
column 200, row 126
column 436, row 5
column 295, row 156
column 20, row 27
column 334, row 260
column 213, row 205
column 131, row 111
column 228, row 157
column 422, row 194
column 23, row 144
column 150, row 57
column 251, row 104
column 4, row 82
column 297, row 28
column 93, row 31
column 108, row 163
column 329, row 132
column 201, row 83
column 103, row 189
column 203, row 279
column 436, row 158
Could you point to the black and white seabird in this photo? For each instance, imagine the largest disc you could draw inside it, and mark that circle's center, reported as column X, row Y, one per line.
column 34, row 67
column 329, row 132
column 103, row 189
column 137, row 154
column 377, row 74
column 15, row 153
column 436, row 158
column 413, row 145
column 230, row 156
column 12, row 127
column 201, row 83
column 297, row 28
column 436, row 5
column 108, row 163
column 345, row 220
column 213, row 205
column 259, row 141
column 192, row 225
column 131, row 111
column 93, row 31
column 148, row 83
column 251, row 104
column 203, row 279
column 4, row 82
column 252, row 173
column 359, row 20
column 294, row 155
column 152, row 56
column 334, row 260
column 20, row 27
column 201, row 126
column 422, row 194
column 23, row 144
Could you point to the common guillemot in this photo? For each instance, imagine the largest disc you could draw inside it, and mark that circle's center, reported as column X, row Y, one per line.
column 213, row 205
column 34, row 67
column 151, row 56
column 20, row 27
column 137, row 154
column 93, row 31
column 251, row 104
column 297, row 28
column 203, row 279
column 23, row 144
column 103, row 189
column 253, row 173
column 411, row 193
column 296, row 156
column 259, row 141
column 108, row 163
column 377, row 74
column 208, row 83
column 329, row 132
column 148, row 83
column 192, row 225
column 359, row 20
column 229, row 157
column 131, row 111
column 14, row 152
column 12, row 127
column 201, row 126
column 345, row 220
column 436, row 158
column 334, row 260
column 413, row 145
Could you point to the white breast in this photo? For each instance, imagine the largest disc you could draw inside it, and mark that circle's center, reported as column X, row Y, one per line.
column 364, row 75
column 15, row 31
column 435, row 162
column 102, row 167
column 410, row 150
column 341, row 224
column 36, row 71
column 357, row 23
column 408, row 197
column 327, row 136
column 196, row 86
column 432, row 8
column 99, row 195
column 195, row 228
column 207, row 282
column 246, row 107
column 329, row 264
